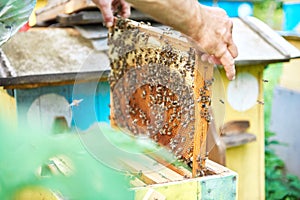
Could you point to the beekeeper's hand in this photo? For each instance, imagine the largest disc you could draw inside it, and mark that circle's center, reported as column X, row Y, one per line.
column 109, row 7
column 209, row 27
column 213, row 33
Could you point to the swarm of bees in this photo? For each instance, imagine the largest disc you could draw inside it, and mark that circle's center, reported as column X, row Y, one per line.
column 157, row 90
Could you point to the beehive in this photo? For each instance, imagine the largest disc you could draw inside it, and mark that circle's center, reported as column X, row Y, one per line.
column 160, row 182
column 160, row 88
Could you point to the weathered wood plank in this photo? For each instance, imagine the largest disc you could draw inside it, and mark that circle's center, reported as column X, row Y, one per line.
column 75, row 5
column 163, row 170
column 83, row 17
column 238, row 139
column 235, row 127
column 53, row 9
column 178, row 191
column 149, row 176
column 94, row 17
column 92, row 31
column 220, row 185
column 52, row 79
column 180, row 170
column 50, row 11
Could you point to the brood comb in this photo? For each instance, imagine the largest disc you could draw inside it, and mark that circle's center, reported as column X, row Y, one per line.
column 160, row 88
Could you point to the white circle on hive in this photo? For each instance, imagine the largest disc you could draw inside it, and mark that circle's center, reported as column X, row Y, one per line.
column 244, row 10
column 46, row 108
column 242, row 93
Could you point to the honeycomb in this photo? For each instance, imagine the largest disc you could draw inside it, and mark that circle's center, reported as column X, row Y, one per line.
column 160, row 88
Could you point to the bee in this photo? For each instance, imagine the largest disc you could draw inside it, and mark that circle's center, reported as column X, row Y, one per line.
column 144, row 94
column 135, row 121
column 183, row 139
column 221, row 101
column 75, row 102
column 152, row 98
column 143, row 122
column 260, row 102
column 200, row 173
column 159, row 89
column 265, row 81
column 140, row 173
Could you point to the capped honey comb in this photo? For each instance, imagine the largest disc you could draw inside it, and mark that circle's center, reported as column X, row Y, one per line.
column 160, row 88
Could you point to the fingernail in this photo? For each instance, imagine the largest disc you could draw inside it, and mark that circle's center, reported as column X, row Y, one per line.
column 109, row 24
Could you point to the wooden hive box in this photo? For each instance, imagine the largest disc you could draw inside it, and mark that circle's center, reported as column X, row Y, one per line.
column 159, row 180
column 54, row 67
column 154, row 173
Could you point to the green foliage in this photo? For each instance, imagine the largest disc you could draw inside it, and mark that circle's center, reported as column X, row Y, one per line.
column 270, row 12
column 279, row 184
column 13, row 15
column 23, row 151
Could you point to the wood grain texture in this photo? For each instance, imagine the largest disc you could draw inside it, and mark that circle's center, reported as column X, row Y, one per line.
column 53, row 9
column 220, row 185
column 235, row 127
column 56, row 79
column 238, row 139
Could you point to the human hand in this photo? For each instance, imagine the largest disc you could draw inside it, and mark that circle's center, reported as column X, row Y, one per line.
column 209, row 27
column 213, row 34
column 109, row 7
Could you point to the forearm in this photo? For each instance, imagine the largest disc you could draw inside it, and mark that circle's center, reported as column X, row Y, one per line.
column 179, row 14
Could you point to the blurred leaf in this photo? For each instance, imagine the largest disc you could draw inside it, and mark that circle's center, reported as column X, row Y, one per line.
column 13, row 15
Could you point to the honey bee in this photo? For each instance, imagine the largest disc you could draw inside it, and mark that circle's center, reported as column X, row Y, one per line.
column 75, row 102
column 135, row 121
column 260, row 102
column 144, row 94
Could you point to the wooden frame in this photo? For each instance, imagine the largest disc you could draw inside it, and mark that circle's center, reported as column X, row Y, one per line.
column 139, row 55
